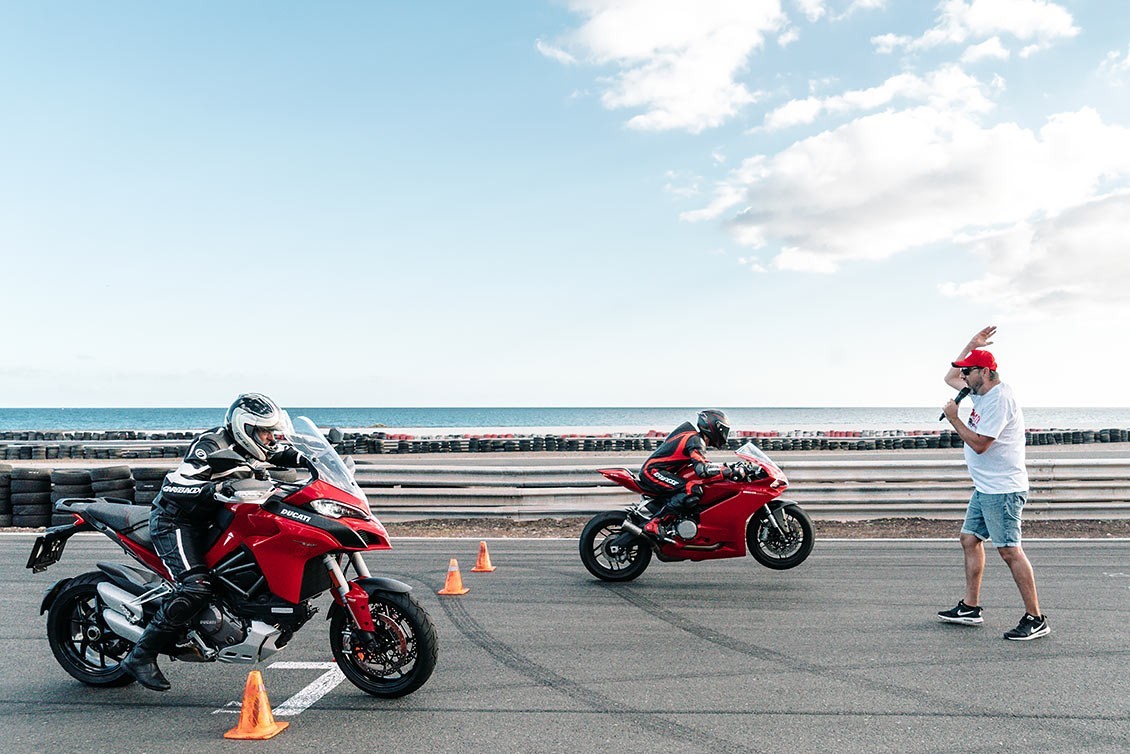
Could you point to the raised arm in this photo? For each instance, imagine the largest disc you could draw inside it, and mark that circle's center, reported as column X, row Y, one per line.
column 980, row 340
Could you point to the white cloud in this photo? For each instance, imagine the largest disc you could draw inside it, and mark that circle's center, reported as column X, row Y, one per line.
column 788, row 36
column 1075, row 260
column 554, row 53
column 753, row 263
column 1115, row 65
column 960, row 21
column 813, row 10
column 893, row 181
column 990, row 49
column 682, row 184
column 947, row 88
column 860, row 5
column 678, row 62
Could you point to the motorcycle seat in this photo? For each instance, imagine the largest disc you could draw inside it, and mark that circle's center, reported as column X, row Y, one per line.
column 131, row 520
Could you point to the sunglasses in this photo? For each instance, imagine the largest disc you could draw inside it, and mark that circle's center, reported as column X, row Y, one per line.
column 966, row 370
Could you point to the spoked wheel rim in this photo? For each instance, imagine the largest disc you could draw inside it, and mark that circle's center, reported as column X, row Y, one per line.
column 90, row 644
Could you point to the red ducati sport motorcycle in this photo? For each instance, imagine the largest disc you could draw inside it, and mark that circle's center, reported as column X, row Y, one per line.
column 732, row 516
column 276, row 546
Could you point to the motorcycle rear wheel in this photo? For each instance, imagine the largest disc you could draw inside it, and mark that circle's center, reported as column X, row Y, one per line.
column 80, row 639
column 400, row 659
column 770, row 549
column 623, row 563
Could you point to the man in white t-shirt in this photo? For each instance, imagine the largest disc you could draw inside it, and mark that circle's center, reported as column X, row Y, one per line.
column 994, row 452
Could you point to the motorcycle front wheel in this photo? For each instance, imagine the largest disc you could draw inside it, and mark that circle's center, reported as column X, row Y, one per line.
column 605, row 553
column 776, row 549
column 400, row 658
column 80, row 639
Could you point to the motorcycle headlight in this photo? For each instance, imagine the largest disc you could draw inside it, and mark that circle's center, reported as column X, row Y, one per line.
column 334, row 509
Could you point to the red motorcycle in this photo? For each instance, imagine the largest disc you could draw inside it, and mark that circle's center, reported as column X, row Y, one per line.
column 276, row 547
column 732, row 516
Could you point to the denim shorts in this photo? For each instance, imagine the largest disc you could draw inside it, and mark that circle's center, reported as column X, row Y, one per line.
column 995, row 517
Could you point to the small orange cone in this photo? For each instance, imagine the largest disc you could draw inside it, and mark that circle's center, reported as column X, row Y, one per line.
column 483, row 564
column 454, row 583
column 255, row 719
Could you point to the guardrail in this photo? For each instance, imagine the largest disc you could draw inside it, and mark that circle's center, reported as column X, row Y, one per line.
column 834, row 490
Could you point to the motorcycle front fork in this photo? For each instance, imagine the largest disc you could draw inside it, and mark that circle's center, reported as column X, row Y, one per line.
column 351, row 596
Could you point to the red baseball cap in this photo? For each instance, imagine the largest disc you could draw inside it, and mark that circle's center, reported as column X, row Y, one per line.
column 975, row 358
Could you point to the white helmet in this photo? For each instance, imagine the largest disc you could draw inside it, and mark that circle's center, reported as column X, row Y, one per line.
column 251, row 413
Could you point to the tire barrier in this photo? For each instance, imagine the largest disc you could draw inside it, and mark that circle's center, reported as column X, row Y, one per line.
column 5, row 495
column 147, row 483
column 31, row 497
column 68, row 483
column 15, row 446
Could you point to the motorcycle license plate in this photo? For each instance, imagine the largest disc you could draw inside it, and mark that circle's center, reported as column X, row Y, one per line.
column 45, row 552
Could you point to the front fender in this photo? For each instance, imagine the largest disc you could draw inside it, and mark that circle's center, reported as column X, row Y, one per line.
column 381, row 584
column 357, row 600
column 52, row 593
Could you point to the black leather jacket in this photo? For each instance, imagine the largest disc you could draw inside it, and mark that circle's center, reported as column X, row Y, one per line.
column 188, row 491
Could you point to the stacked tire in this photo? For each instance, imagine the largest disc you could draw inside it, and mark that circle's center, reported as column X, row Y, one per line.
column 31, row 497
column 147, row 483
column 5, row 495
column 112, row 482
column 67, row 483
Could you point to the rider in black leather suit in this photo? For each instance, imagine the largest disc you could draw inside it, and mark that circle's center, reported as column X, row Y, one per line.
column 183, row 511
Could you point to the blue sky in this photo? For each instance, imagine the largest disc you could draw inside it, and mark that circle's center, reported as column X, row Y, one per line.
column 806, row 202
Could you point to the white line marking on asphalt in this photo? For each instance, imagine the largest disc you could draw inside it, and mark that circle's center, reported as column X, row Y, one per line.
column 324, row 684
column 298, row 703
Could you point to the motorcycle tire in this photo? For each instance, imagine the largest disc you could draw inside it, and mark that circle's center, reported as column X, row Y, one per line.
column 402, row 657
column 770, row 549
column 606, row 566
column 81, row 641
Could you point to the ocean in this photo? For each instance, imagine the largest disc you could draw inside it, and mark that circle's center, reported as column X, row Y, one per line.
column 551, row 419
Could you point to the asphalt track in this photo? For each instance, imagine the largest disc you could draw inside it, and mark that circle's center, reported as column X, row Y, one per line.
column 841, row 654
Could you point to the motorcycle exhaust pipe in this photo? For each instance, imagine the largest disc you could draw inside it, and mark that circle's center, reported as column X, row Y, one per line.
column 121, row 626
column 120, row 601
column 631, row 528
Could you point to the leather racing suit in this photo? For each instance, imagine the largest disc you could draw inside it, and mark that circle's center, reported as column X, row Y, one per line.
column 661, row 474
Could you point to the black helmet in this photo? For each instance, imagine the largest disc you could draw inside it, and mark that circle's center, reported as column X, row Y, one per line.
column 714, row 426
column 252, row 412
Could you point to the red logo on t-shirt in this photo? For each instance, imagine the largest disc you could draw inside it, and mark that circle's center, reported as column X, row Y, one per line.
column 974, row 418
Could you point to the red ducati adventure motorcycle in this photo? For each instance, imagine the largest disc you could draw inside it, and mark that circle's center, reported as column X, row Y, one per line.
column 732, row 516
column 276, row 547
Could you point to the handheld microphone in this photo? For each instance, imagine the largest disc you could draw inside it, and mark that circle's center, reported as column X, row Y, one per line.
column 960, row 394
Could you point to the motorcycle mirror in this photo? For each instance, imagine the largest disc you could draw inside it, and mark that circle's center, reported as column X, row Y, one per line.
column 350, row 464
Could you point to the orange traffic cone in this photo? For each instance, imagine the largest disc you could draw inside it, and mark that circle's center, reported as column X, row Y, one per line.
column 454, row 583
column 483, row 564
column 255, row 719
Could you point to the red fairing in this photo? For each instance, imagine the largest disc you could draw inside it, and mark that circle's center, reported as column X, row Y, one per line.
column 622, row 477
column 723, row 515
column 145, row 555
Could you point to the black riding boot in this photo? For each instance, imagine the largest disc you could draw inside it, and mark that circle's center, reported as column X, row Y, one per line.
column 141, row 662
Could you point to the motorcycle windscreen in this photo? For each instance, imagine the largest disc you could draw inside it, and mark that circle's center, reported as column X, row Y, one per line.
column 753, row 454
column 329, row 466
